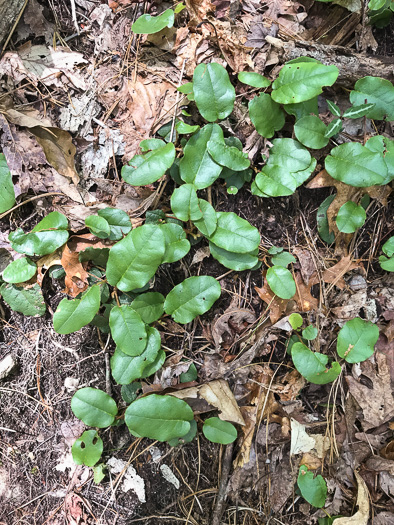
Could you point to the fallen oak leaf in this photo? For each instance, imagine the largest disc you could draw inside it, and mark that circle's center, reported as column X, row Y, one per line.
column 76, row 280
column 334, row 274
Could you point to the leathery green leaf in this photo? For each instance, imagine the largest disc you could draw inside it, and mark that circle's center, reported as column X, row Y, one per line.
column 159, row 417
column 20, row 270
column 234, row 261
column 208, row 222
column 357, row 339
column 350, row 217
column 28, row 301
column 87, row 449
column 253, row 79
column 377, row 91
column 184, row 203
column 313, row 490
column 148, row 168
column 150, row 306
column 71, row 315
column 177, row 246
column 148, row 24
column 312, row 365
column 219, row 431
column 235, row 234
column 135, row 259
column 310, row 131
column 7, row 193
column 281, row 282
column 228, row 156
column 213, row 92
column 266, row 115
column 128, row 330
column 94, row 407
column 193, row 297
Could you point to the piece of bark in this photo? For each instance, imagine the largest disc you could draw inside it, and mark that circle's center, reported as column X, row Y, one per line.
column 9, row 14
column 351, row 65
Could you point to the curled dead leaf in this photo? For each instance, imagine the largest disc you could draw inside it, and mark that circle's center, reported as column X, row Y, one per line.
column 232, row 322
column 362, row 515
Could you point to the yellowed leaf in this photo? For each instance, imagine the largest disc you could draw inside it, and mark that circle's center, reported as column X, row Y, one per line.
column 362, row 515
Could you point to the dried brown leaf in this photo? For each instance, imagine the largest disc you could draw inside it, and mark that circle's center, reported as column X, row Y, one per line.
column 362, row 515
column 76, row 279
column 231, row 323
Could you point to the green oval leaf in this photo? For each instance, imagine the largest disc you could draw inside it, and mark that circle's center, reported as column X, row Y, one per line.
column 127, row 330
column 290, row 155
column 118, row 220
column 281, row 282
column 235, row 234
column 228, row 156
column 197, row 166
column 302, row 109
column 98, row 226
column 187, row 438
column 282, row 259
column 20, row 270
column 177, row 246
column 94, row 407
column 219, row 431
column 146, row 169
column 296, row 321
column 377, row 91
column 184, row 129
column 135, row 259
column 152, row 368
column 193, row 297
column 310, row 131
column 159, row 417
column 356, row 165
column 322, row 221
column 53, row 221
column 266, row 115
column 309, row 333
column 148, row 24
column 208, row 222
column 253, row 79
column 313, row 490
column 184, row 203
column 350, row 217
column 356, row 340
column 234, row 261
column 312, row 365
column 150, row 306
column 71, row 315
column 302, row 81
column 126, row 368
column 388, row 247
column 275, row 181
column 87, row 449
column 7, row 193
column 213, row 92
column 27, row 301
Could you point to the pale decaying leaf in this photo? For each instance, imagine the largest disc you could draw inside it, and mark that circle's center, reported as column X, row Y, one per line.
column 362, row 515
column 217, row 394
column 44, row 64
column 376, row 401
column 302, row 442
column 130, row 479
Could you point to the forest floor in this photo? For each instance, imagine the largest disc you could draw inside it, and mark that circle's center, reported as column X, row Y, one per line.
column 109, row 89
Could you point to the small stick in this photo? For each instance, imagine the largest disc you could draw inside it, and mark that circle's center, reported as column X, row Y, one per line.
column 222, row 496
column 177, row 101
column 74, row 15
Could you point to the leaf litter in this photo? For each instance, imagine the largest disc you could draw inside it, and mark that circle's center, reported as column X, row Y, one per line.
column 75, row 138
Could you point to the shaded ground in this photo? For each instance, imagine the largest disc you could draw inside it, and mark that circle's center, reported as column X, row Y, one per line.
column 39, row 484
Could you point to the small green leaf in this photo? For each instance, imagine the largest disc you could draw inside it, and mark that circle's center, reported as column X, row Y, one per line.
column 219, row 431
column 310, row 333
column 7, row 193
column 377, row 91
column 302, row 81
column 358, row 111
column 266, row 115
column 27, row 301
column 150, row 145
column 388, row 247
column 87, row 449
column 253, row 79
column 184, row 129
column 312, row 365
column 190, row 375
column 356, row 340
column 310, row 131
column 281, row 282
column 296, row 321
column 20, row 270
column 184, row 203
column 71, row 315
column 128, row 330
column 333, row 108
column 180, row 7
column 350, row 217
column 148, row 168
column 386, row 264
column 187, row 438
column 333, row 128
column 193, row 297
column 232, row 260
column 150, row 306
column 227, row 156
column 208, row 222
column 356, row 165
column 213, row 92
column 98, row 226
column 197, row 166
column 135, row 259
column 53, row 221
column 126, row 368
column 235, row 234
column 313, row 490
column 275, row 181
column 148, row 24
column 283, row 259
column 302, row 109
column 177, row 246
column 290, row 155
column 322, row 221
column 159, row 417
column 94, row 407
column 118, row 220
column 129, row 392
column 98, row 473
